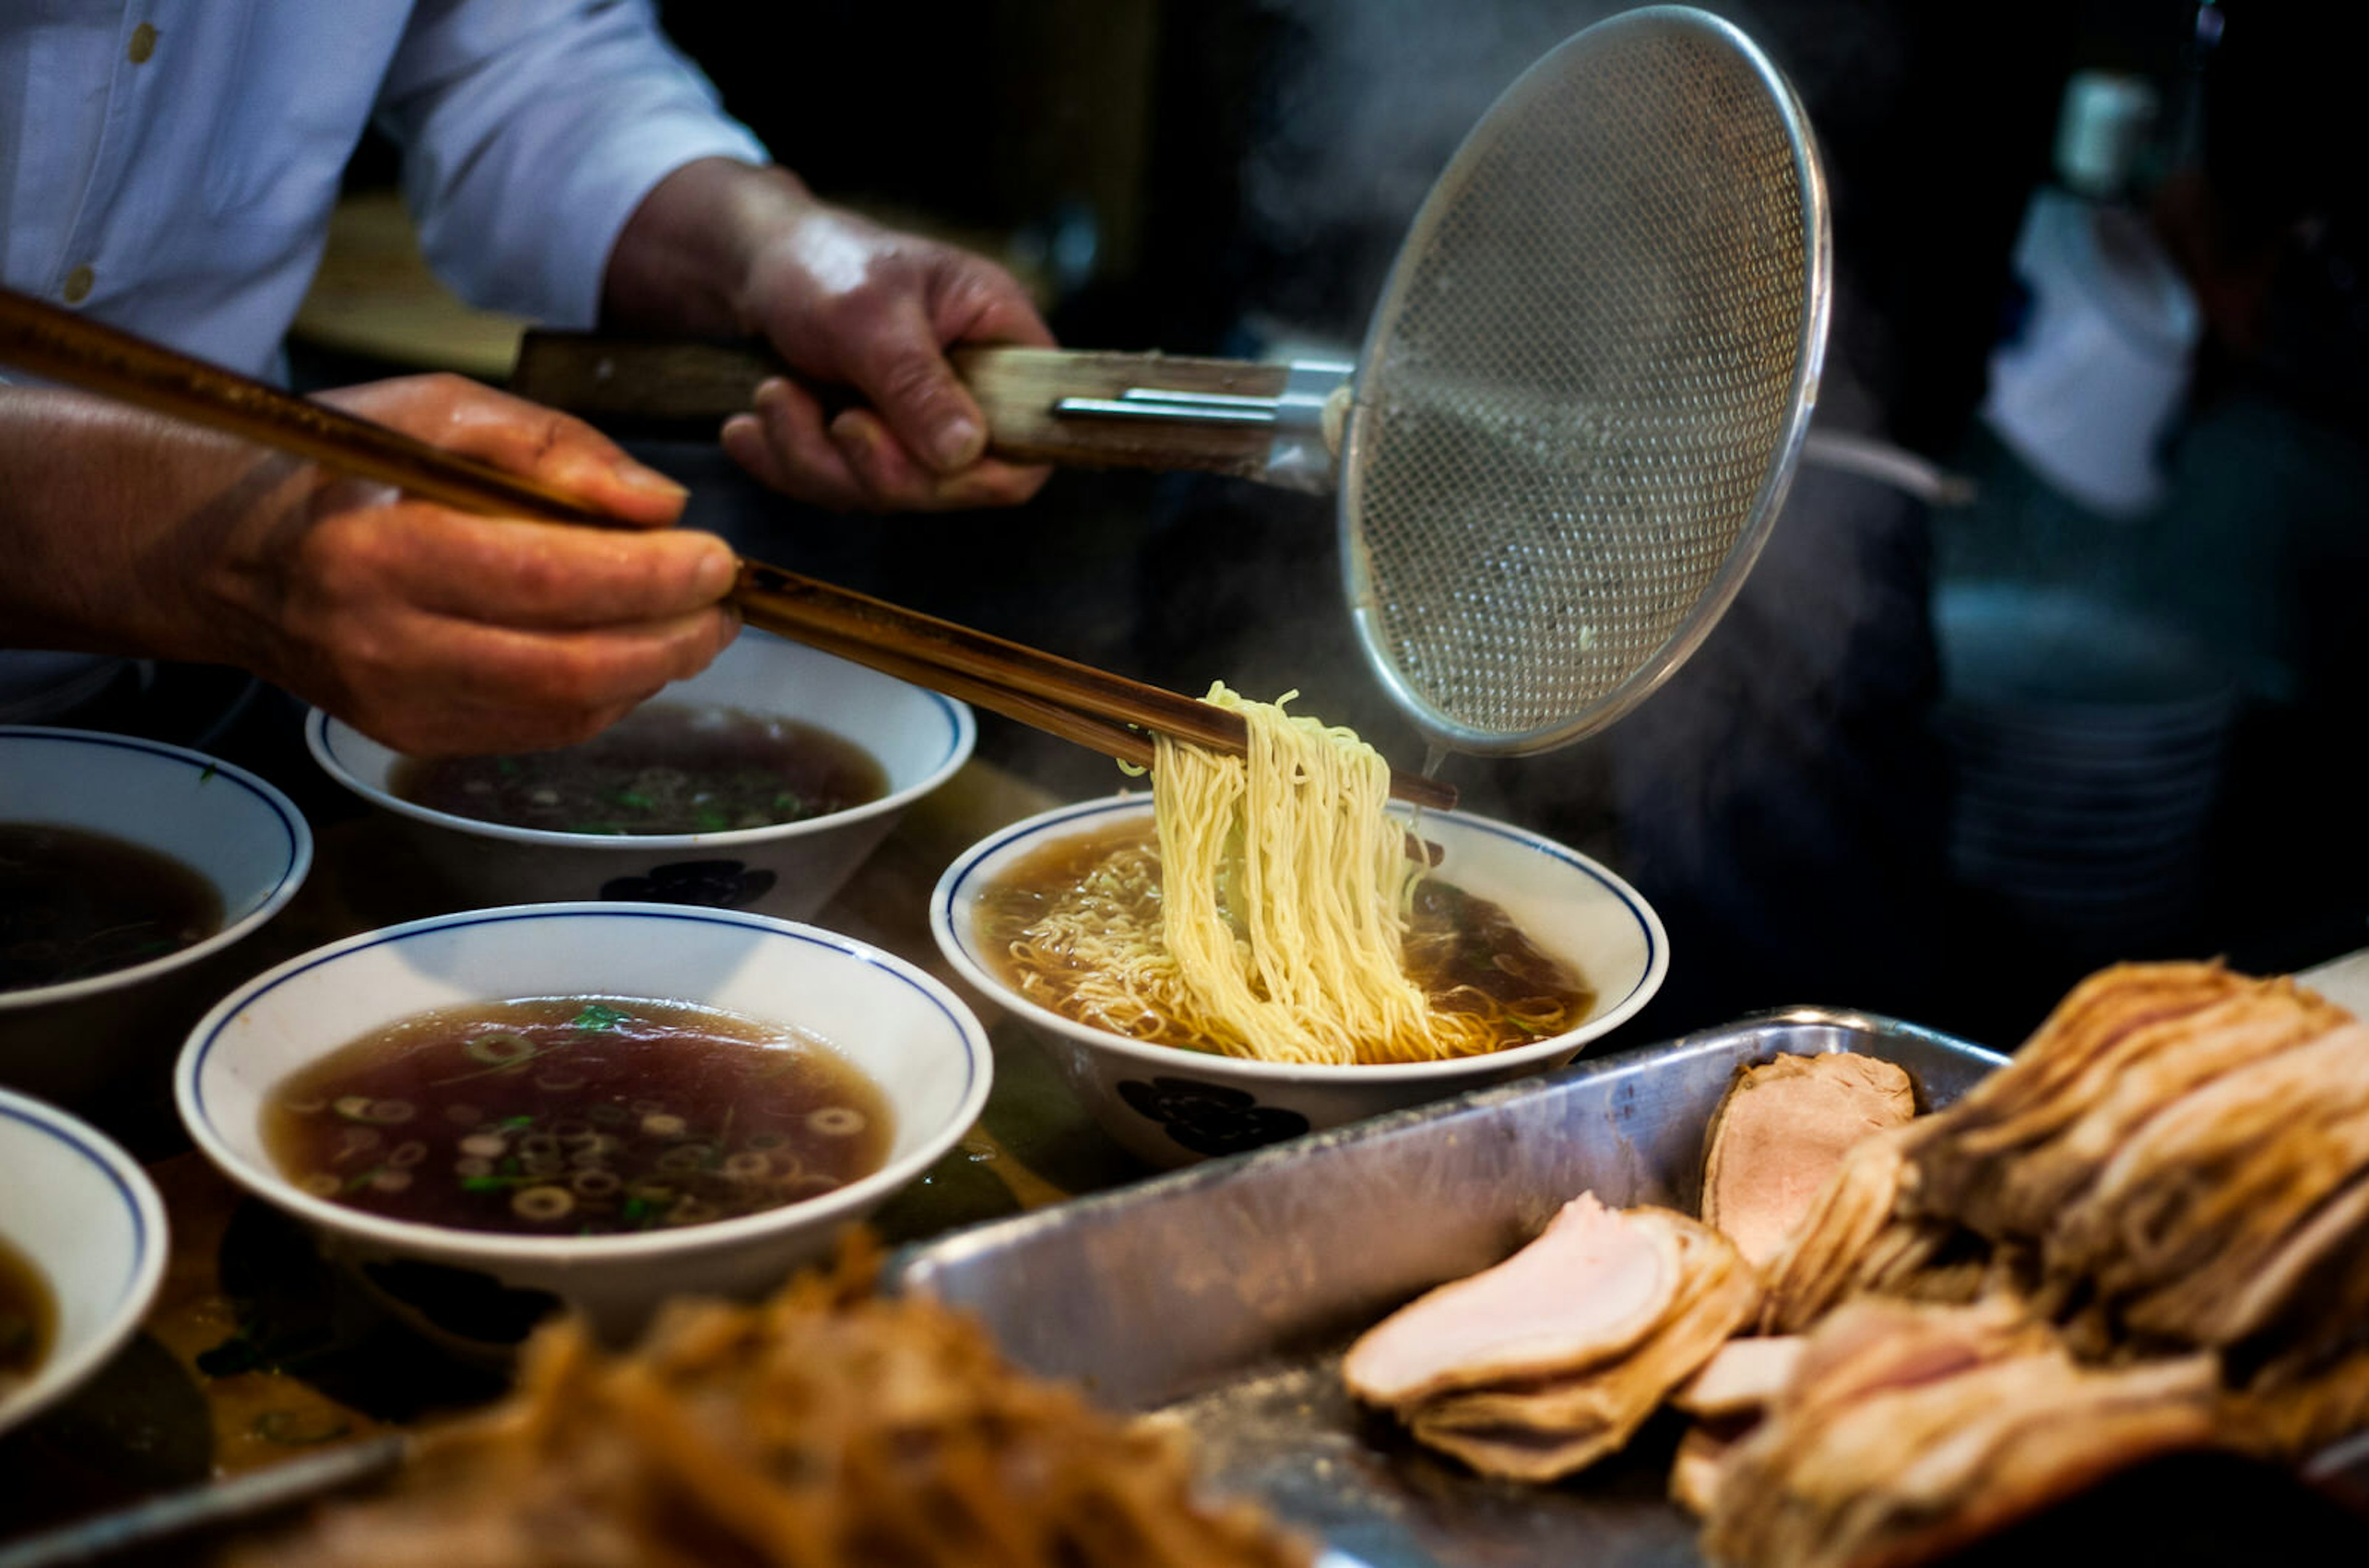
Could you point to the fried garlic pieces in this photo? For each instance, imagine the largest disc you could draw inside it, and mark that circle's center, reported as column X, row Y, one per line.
column 826, row 1427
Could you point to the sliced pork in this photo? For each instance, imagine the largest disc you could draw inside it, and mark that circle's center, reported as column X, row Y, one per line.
column 2149, row 1232
column 2297, row 1405
column 1593, row 1285
column 1848, row 1223
column 1910, row 1431
column 2127, row 1041
column 1727, row 1399
column 2161, row 1209
column 2203, row 1225
column 1743, row 1378
column 1779, row 1133
column 2025, row 1185
column 1700, row 1464
column 1543, row 1429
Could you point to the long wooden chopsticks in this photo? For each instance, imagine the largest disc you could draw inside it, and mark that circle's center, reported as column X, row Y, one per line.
column 1093, row 707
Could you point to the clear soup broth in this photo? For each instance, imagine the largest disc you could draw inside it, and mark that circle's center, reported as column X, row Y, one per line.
column 28, row 1319
column 664, row 768
column 576, row 1116
column 75, row 903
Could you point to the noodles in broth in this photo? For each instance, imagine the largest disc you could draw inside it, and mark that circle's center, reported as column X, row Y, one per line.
column 1276, row 917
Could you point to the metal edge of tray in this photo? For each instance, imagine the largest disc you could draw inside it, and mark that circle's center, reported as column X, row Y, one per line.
column 1156, row 1291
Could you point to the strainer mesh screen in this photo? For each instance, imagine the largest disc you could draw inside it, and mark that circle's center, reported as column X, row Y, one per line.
column 1578, row 381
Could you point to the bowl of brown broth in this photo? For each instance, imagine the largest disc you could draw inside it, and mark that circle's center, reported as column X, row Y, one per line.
column 493, row 1113
column 760, row 784
column 126, row 867
column 82, row 1251
column 1563, row 948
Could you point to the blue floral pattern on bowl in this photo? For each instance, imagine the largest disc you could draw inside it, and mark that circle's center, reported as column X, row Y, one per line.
column 1210, row 1119
column 709, row 884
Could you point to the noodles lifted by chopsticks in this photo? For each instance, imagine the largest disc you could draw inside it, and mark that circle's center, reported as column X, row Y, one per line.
column 1285, row 889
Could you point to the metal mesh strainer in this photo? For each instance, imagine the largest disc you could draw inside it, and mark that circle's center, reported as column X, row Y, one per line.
column 1581, row 397
column 1579, row 402
column 1585, row 388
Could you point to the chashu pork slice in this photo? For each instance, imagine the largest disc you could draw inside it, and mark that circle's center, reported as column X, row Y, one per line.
column 2030, row 1183
column 2118, row 1020
column 1779, row 1133
column 1743, row 1378
column 1734, row 1391
column 1592, row 1284
column 1910, row 1431
column 2297, row 1405
column 1700, row 1463
column 1546, row 1428
column 2183, row 1222
column 1872, row 1344
column 1849, row 1219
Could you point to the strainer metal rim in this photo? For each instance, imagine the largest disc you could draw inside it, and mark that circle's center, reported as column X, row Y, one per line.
column 1768, row 502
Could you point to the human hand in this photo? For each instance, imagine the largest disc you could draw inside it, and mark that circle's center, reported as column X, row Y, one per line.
column 438, row 632
column 847, row 301
column 722, row 247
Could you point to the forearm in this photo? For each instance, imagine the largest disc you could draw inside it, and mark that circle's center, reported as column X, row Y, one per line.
column 429, row 629
column 100, row 510
column 684, row 260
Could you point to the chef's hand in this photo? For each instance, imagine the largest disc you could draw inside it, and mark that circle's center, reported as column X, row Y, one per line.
column 438, row 631
column 721, row 246
column 431, row 630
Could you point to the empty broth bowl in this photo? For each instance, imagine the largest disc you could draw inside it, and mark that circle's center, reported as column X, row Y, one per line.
column 760, row 784
column 82, row 1235
column 491, row 1114
column 1172, row 1105
column 128, row 867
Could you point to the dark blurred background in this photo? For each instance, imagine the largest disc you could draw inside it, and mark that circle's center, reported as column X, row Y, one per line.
column 1938, row 760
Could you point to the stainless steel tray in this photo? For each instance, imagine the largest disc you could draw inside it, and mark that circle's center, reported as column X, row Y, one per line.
column 1225, row 1293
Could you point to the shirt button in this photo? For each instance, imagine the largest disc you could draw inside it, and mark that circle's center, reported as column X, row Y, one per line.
column 143, row 43
column 78, row 282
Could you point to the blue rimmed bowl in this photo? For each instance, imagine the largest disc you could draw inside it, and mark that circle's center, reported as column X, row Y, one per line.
column 76, row 1209
column 787, row 869
column 481, row 1290
column 109, row 1036
column 1172, row 1107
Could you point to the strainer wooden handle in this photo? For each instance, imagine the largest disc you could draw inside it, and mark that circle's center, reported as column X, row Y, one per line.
column 629, row 381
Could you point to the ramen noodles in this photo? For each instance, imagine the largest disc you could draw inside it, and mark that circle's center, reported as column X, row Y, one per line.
column 75, row 903
column 1275, row 912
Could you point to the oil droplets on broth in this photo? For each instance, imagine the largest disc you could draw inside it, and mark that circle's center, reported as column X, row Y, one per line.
column 576, row 1116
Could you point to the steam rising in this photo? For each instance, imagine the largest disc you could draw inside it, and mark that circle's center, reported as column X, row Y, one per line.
column 1751, row 797
column 1376, row 95
column 1377, row 99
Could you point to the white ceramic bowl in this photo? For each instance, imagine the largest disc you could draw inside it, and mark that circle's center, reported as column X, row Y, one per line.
column 67, row 1041
column 790, row 869
column 904, row 1031
column 1173, row 1106
column 77, row 1208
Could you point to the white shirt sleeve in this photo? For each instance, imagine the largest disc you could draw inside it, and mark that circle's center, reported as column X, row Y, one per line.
column 531, row 130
